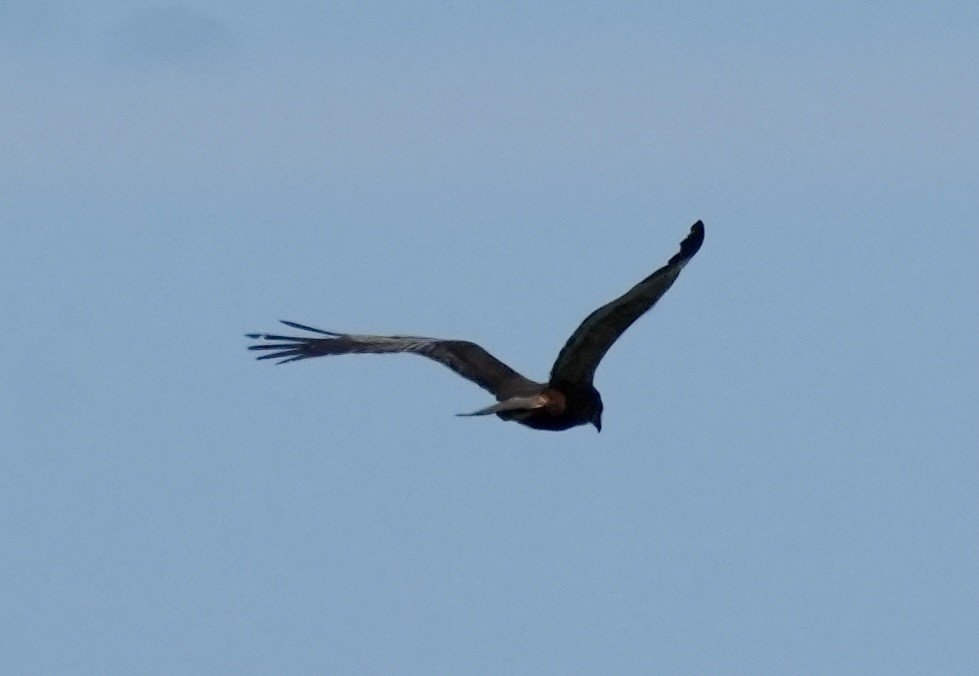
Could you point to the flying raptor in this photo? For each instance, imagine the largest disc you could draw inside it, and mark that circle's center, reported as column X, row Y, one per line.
column 566, row 400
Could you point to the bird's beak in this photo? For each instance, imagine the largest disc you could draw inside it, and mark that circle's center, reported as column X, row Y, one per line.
column 597, row 422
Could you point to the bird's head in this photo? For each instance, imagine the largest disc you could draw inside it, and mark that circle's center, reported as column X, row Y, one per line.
column 584, row 403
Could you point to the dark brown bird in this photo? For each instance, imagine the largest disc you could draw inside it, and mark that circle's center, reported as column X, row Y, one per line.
column 567, row 399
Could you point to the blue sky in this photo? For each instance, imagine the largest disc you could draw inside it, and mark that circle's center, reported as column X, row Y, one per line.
column 786, row 477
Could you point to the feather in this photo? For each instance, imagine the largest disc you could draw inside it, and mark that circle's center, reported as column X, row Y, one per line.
column 585, row 348
column 467, row 359
column 512, row 404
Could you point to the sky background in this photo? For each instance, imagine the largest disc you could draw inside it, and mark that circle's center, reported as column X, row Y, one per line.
column 786, row 481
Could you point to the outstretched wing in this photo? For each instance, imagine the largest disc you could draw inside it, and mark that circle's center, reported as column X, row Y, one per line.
column 585, row 348
column 467, row 359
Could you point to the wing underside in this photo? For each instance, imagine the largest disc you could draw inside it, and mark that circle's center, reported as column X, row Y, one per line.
column 585, row 348
column 466, row 358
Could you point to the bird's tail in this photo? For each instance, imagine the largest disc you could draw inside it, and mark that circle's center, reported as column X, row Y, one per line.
column 512, row 404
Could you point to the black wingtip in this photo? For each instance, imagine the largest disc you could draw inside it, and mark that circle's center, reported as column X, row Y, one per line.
column 690, row 245
column 303, row 327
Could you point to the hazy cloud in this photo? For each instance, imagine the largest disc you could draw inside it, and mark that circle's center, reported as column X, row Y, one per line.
column 24, row 22
column 169, row 37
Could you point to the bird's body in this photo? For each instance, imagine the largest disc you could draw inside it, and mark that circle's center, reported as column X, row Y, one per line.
column 566, row 400
column 567, row 405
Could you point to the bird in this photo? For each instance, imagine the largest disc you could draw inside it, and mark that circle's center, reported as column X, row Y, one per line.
column 566, row 400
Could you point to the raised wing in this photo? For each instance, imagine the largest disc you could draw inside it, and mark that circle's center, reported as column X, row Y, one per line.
column 585, row 348
column 467, row 359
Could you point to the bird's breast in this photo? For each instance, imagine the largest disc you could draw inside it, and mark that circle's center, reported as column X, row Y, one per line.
column 556, row 402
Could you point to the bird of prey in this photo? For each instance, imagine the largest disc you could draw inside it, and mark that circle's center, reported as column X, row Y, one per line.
column 566, row 400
